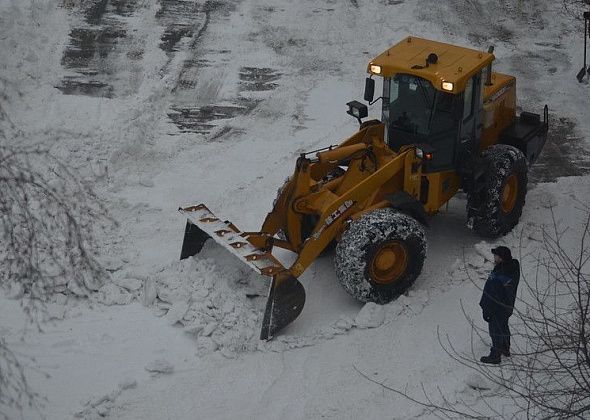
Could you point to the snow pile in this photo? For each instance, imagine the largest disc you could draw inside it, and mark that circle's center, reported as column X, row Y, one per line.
column 408, row 305
column 160, row 366
column 121, row 288
column 476, row 262
column 220, row 302
column 214, row 299
column 111, row 294
column 371, row 316
column 101, row 406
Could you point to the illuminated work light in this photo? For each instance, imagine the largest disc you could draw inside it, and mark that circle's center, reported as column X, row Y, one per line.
column 375, row 69
column 448, row 86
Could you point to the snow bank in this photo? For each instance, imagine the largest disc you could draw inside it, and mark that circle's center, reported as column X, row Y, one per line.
column 371, row 316
column 216, row 300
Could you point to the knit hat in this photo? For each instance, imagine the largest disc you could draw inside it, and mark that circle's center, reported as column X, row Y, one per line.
column 502, row 252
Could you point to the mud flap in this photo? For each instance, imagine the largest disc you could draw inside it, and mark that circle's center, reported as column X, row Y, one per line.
column 194, row 239
column 285, row 302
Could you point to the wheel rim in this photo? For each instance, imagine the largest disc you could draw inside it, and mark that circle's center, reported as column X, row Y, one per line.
column 509, row 194
column 389, row 263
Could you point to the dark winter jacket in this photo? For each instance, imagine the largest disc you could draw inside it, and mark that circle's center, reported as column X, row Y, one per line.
column 499, row 292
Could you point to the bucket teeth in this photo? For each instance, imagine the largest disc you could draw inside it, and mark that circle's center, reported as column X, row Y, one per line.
column 238, row 245
column 203, row 224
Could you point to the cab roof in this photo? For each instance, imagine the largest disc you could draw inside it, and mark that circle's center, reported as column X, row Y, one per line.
column 454, row 64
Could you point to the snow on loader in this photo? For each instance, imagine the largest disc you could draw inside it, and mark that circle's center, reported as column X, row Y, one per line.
column 448, row 123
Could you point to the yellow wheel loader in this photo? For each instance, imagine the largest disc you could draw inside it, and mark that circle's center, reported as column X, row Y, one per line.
column 448, row 123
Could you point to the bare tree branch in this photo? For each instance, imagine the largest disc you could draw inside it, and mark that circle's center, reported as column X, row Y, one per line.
column 49, row 221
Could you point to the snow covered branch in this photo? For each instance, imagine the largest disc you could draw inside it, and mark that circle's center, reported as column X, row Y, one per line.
column 14, row 389
column 48, row 218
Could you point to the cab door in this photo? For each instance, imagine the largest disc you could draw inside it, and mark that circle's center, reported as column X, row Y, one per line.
column 471, row 126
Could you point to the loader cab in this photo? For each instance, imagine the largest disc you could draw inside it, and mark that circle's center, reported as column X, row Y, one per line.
column 432, row 95
column 414, row 112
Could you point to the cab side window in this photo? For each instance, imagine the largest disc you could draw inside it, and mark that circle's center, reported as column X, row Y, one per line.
column 468, row 100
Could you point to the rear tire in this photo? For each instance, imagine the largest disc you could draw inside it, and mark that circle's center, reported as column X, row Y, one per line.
column 496, row 209
column 380, row 255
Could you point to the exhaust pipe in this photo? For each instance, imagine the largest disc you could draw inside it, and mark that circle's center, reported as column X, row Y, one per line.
column 489, row 70
column 582, row 72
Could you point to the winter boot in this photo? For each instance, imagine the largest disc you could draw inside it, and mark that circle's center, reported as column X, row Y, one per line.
column 494, row 357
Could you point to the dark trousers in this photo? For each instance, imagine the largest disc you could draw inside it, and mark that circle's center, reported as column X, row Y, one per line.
column 500, row 334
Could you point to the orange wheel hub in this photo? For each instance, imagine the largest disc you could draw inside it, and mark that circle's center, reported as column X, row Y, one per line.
column 389, row 263
column 510, row 194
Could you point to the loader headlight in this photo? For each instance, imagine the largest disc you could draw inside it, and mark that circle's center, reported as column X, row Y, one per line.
column 448, row 86
column 419, row 153
column 375, row 69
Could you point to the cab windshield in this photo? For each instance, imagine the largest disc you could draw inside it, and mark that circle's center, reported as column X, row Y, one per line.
column 416, row 107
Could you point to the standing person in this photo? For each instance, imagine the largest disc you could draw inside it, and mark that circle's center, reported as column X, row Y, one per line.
column 497, row 302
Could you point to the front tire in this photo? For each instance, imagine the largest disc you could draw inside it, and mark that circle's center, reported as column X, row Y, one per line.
column 380, row 255
column 496, row 209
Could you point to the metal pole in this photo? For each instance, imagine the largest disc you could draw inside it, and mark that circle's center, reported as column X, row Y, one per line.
column 489, row 70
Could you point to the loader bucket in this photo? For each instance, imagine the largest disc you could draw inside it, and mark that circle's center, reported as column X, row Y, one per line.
column 286, row 295
column 194, row 239
column 285, row 302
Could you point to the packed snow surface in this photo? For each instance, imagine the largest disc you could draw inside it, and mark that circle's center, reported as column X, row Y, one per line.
column 163, row 103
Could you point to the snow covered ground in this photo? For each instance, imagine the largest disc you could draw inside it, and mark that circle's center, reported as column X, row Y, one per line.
column 163, row 103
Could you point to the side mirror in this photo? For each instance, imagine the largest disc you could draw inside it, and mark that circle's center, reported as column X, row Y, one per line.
column 369, row 89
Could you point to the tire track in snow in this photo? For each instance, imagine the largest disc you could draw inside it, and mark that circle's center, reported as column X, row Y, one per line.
column 180, row 18
column 198, row 105
column 96, row 44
